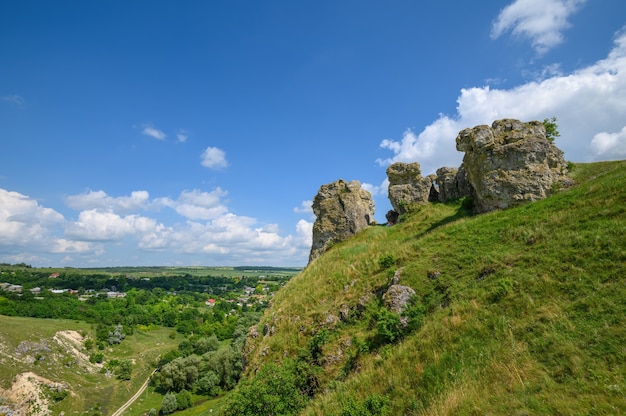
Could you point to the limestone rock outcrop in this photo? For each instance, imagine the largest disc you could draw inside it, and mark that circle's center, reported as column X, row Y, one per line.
column 510, row 163
column 452, row 183
column 342, row 210
column 397, row 298
column 407, row 186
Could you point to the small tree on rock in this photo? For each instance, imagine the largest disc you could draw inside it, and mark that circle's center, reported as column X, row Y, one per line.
column 552, row 131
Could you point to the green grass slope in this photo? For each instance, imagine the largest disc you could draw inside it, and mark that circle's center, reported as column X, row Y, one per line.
column 521, row 311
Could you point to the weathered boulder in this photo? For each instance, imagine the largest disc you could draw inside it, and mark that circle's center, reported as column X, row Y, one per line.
column 510, row 163
column 407, row 186
column 343, row 209
column 392, row 217
column 452, row 183
column 397, row 298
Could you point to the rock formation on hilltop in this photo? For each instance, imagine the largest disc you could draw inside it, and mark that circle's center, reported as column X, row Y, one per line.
column 507, row 164
column 510, row 163
column 342, row 209
column 407, row 186
column 452, row 183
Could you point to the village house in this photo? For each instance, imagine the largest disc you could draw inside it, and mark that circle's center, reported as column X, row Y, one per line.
column 14, row 288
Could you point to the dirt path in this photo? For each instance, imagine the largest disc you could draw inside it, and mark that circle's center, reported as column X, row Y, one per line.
column 130, row 401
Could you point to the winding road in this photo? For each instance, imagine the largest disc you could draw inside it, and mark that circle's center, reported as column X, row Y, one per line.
column 130, row 401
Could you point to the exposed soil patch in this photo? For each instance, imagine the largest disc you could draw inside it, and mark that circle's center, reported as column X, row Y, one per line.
column 28, row 395
column 72, row 342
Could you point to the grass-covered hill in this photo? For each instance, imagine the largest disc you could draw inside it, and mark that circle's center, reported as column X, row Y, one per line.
column 519, row 312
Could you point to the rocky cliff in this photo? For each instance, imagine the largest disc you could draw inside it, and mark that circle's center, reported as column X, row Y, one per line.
column 342, row 209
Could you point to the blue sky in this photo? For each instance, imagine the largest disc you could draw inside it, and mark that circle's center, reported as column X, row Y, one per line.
column 198, row 132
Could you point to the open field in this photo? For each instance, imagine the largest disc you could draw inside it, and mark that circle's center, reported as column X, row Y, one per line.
column 150, row 271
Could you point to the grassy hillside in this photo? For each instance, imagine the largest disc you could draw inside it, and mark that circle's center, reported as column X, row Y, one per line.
column 521, row 311
column 31, row 345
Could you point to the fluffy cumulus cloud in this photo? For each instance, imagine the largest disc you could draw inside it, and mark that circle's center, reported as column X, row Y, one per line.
column 611, row 145
column 234, row 239
column 93, row 225
column 205, row 231
column 100, row 200
column 31, row 232
column 23, row 221
column 214, row 158
column 588, row 103
column 540, row 21
column 197, row 205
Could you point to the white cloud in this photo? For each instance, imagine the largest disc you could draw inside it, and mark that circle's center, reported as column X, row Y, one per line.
column 541, row 21
column 587, row 102
column 23, row 221
column 197, row 205
column 304, row 233
column 182, row 138
column 101, row 201
column 93, row 225
column 235, row 239
column 152, row 132
column 610, row 145
column 214, row 158
column 305, row 207
column 102, row 230
column 435, row 143
column 377, row 190
column 61, row 245
column 548, row 71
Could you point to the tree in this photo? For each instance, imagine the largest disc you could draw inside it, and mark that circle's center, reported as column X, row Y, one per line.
column 183, row 400
column 124, row 369
column 169, row 403
column 552, row 131
column 209, row 384
column 274, row 390
column 117, row 336
column 205, row 344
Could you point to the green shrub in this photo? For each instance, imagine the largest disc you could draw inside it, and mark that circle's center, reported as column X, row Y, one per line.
column 124, row 370
column 315, row 345
column 386, row 261
column 374, row 405
column 388, row 326
column 96, row 357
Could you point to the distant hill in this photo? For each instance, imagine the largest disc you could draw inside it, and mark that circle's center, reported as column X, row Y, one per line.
column 520, row 311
